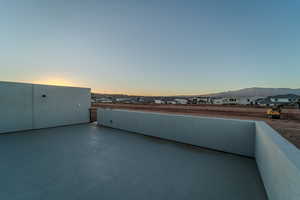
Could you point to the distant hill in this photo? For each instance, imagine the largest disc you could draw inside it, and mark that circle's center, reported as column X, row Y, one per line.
column 257, row 91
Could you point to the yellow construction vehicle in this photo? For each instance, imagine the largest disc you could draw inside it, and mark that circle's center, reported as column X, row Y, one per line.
column 274, row 112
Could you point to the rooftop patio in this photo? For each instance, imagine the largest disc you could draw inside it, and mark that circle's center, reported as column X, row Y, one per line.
column 91, row 162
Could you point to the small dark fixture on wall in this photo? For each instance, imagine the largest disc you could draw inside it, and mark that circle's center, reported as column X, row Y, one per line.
column 44, row 96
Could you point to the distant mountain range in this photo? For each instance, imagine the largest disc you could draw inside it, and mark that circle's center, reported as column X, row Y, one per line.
column 257, row 91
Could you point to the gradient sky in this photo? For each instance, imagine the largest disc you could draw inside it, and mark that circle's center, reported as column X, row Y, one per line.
column 151, row 47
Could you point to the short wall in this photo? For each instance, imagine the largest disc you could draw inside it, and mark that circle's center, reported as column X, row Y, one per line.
column 31, row 106
column 233, row 136
column 278, row 162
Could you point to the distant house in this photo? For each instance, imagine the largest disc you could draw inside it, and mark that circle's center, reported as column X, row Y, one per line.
column 181, row 101
column 200, row 100
column 171, row 102
column 285, row 99
column 230, row 100
column 235, row 100
column 289, row 99
column 244, row 100
column 204, row 100
column 103, row 100
column 144, row 100
column 247, row 100
column 158, row 101
column 192, row 100
column 124, row 100
column 218, row 101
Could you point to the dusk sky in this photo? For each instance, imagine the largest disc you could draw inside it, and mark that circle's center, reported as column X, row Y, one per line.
column 151, row 47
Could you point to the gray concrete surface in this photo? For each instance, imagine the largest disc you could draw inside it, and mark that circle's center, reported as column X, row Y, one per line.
column 278, row 162
column 233, row 136
column 91, row 162
column 22, row 106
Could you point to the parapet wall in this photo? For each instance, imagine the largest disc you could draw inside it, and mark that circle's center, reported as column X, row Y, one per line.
column 233, row 136
column 278, row 162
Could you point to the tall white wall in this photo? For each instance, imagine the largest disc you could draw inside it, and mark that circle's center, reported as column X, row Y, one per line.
column 15, row 107
column 31, row 106
column 60, row 106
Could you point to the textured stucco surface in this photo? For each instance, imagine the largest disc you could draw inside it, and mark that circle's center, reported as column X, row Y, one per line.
column 233, row 136
column 91, row 162
column 62, row 105
column 15, row 107
column 23, row 107
column 278, row 162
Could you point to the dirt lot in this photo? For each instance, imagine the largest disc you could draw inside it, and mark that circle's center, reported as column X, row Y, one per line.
column 288, row 126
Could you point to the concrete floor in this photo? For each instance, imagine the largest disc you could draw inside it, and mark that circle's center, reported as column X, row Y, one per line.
column 90, row 162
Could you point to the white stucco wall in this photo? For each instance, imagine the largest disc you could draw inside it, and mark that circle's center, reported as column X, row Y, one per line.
column 234, row 136
column 22, row 106
column 277, row 159
column 278, row 162
column 61, row 106
column 15, row 107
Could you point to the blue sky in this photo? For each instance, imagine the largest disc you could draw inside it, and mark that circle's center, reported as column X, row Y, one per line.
column 151, row 47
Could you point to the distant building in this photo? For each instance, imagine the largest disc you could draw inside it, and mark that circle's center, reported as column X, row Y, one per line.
column 285, row 99
column 145, row 100
column 171, row 102
column 289, row 99
column 235, row 100
column 218, row 101
column 265, row 102
column 247, row 100
column 192, row 100
column 230, row 100
column 124, row 100
column 225, row 100
column 204, row 100
column 158, row 101
column 103, row 100
column 181, row 101
column 200, row 100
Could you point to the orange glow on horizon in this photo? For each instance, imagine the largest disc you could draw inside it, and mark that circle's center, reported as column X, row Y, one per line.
column 55, row 81
column 60, row 81
column 148, row 93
